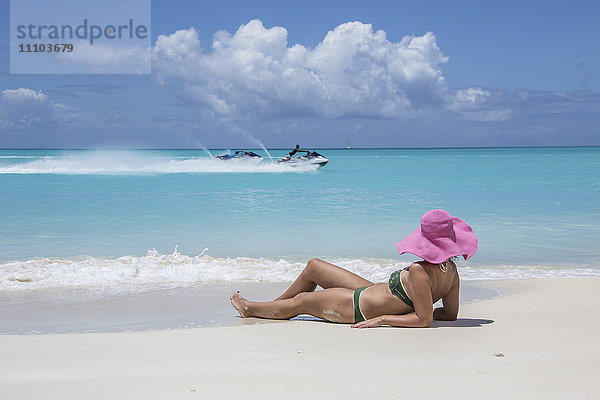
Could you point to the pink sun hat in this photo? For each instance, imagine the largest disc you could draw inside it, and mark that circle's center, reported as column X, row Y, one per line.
column 440, row 237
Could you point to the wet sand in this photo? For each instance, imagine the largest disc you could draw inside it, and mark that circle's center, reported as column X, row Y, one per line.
column 84, row 311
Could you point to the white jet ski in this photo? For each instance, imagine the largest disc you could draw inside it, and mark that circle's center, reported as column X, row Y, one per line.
column 241, row 155
column 310, row 158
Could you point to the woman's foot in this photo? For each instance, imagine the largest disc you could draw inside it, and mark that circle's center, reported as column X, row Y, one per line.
column 240, row 304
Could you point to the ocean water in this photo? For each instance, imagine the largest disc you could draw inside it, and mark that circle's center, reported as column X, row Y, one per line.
column 123, row 221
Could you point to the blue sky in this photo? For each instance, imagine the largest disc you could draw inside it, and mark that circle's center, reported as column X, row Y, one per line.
column 379, row 74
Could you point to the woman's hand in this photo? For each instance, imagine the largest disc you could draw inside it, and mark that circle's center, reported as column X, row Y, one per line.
column 370, row 323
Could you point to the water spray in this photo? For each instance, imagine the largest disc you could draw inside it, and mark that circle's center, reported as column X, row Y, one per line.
column 205, row 149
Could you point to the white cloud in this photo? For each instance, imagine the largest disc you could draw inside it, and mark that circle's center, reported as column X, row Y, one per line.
column 23, row 108
column 22, row 96
column 354, row 71
column 470, row 97
column 101, row 58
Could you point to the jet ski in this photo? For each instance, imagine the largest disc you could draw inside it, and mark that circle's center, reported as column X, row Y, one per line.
column 310, row 158
column 241, row 155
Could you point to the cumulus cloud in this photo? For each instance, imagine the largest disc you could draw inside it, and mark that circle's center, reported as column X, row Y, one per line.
column 470, row 97
column 17, row 97
column 22, row 108
column 355, row 71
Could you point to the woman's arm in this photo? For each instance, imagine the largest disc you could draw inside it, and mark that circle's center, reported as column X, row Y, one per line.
column 411, row 320
column 449, row 311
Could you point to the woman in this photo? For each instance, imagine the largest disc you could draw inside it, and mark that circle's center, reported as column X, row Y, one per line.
column 406, row 300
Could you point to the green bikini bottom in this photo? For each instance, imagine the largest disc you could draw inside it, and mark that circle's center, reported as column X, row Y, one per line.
column 358, row 315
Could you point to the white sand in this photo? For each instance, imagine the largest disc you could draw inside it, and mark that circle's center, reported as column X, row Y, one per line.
column 546, row 329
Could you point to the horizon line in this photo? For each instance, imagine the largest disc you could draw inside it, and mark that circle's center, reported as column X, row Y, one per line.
column 287, row 148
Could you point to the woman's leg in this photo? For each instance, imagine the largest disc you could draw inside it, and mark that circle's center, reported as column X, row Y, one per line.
column 321, row 273
column 333, row 304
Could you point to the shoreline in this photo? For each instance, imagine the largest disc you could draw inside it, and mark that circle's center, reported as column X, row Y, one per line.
column 537, row 340
column 196, row 306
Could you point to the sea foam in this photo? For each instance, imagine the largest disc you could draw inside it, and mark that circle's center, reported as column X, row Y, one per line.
column 141, row 273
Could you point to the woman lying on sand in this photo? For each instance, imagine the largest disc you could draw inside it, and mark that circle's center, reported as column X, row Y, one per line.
column 406, row 300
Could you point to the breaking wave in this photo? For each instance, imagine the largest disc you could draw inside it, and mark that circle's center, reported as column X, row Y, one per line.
column 175, row 269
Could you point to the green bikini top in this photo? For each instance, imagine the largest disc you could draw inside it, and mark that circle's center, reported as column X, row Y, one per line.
column 397, row 288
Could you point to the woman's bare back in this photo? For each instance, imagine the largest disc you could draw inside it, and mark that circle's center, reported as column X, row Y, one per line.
column 379, row 300
column 441, row 280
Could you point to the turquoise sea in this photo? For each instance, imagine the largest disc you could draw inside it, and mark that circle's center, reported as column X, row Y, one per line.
column 101, row 218
column 114, row 240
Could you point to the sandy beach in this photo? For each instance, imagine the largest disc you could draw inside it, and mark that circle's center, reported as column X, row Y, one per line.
column 539, row 339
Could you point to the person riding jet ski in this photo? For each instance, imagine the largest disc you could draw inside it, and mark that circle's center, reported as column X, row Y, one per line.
column 240, row 154
column 293, row 152
column 310, row 158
